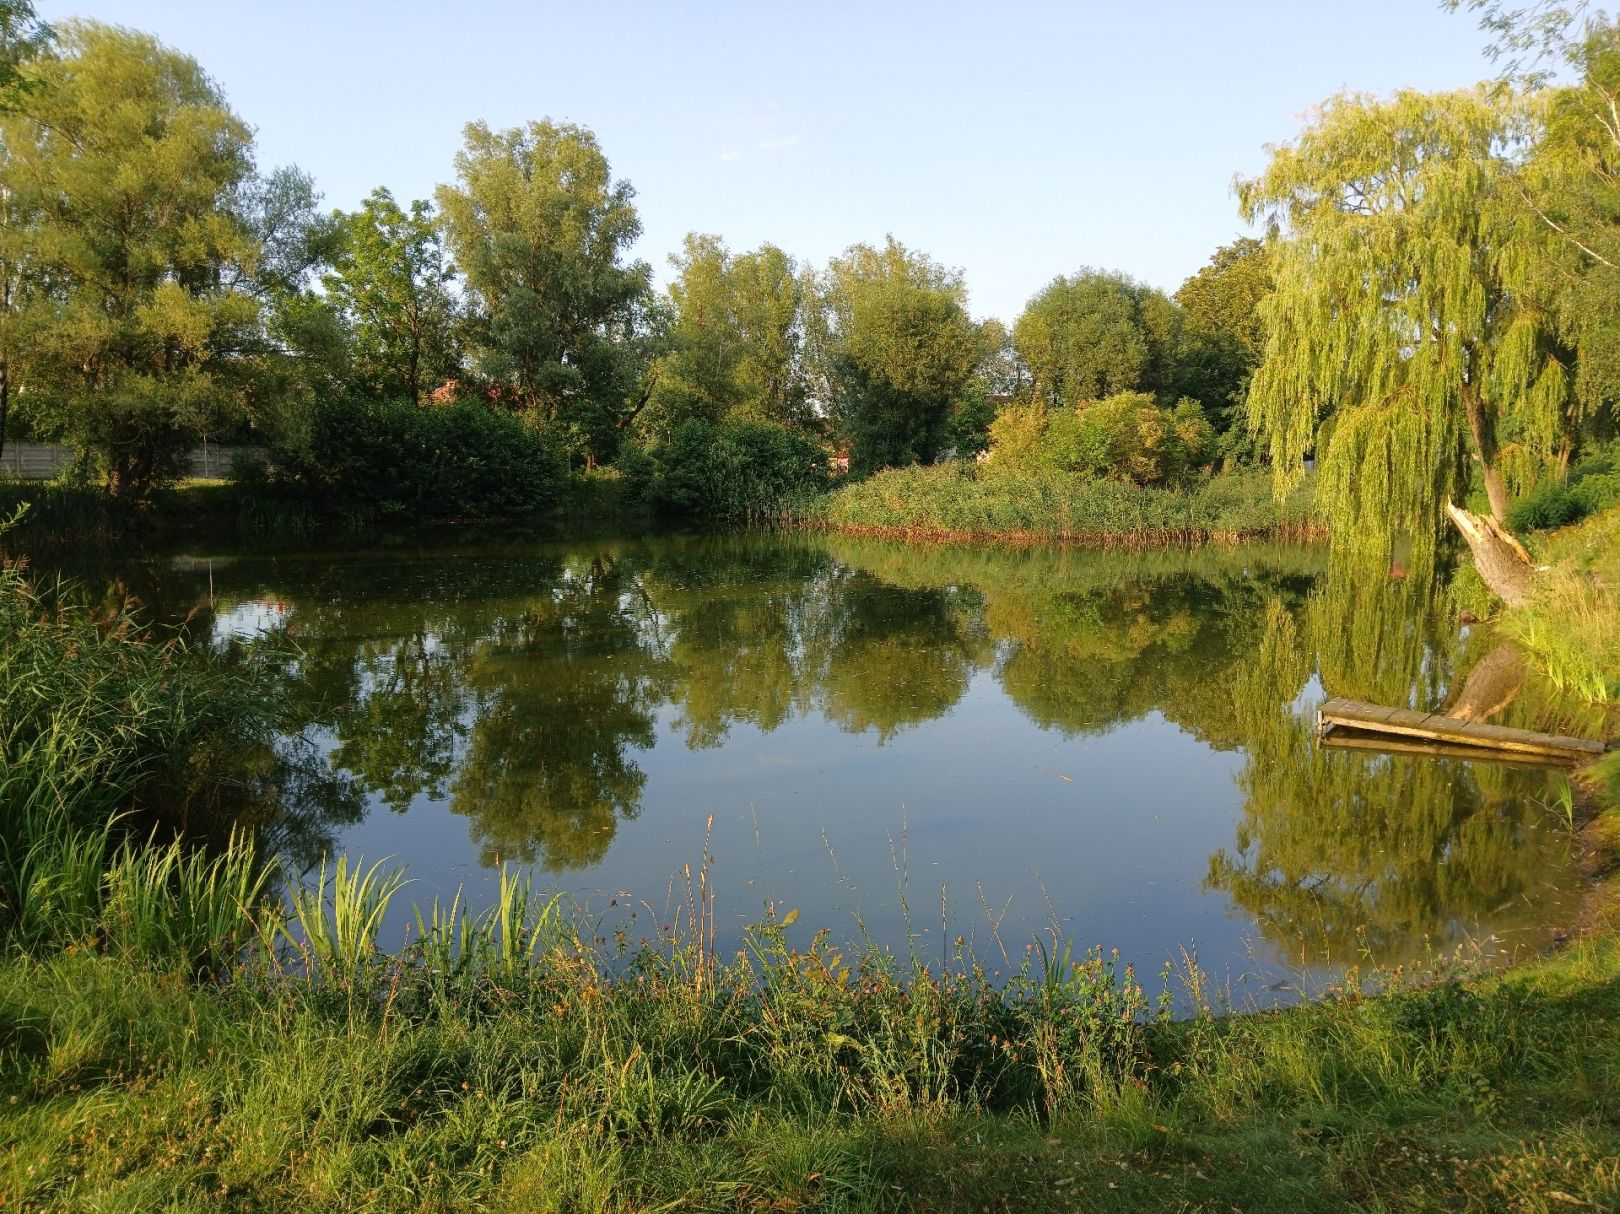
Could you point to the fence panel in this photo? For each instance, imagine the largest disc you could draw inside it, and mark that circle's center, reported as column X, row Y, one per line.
column 42, row 461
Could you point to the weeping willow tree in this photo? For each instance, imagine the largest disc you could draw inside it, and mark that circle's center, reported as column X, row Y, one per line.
column 1403, row 344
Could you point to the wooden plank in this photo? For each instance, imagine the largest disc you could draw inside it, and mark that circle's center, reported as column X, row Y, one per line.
column 1361, row 710
column 1340, row 738
column 1380, row 719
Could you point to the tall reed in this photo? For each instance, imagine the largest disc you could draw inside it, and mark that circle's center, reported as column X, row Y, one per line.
column 177, row 905
column 339, row 918
column 959, row 501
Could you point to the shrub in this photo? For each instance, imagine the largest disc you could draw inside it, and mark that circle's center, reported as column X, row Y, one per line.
column 1125, row 437
column 376, row 460
column 1593, row 484
column 739, row 470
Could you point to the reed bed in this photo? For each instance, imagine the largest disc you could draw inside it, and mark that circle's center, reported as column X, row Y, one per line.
column 110, row 735
column 961, row 502
column 48, row 513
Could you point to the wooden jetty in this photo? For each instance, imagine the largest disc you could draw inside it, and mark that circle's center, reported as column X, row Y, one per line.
column 1349, row 721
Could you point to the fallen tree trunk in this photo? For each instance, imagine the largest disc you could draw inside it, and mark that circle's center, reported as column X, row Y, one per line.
column 1502, row 562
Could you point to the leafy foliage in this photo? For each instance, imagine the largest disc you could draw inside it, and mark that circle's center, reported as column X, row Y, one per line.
column 367, row 461
column 539, row 228
column 1569, row 183
column 1593, row 484
column 1125, row 437
column 390, row 279
column 735, row 340
column 1096, row 334
column 122, row 244
column 899, row 348
column 740, row 470
column 1399, row 315
column 22, row 36
column 1223, row 336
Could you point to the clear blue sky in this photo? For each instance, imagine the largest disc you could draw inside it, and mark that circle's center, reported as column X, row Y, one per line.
column 1015, row 141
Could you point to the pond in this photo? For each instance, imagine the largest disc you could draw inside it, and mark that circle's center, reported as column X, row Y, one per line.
column 907, row 744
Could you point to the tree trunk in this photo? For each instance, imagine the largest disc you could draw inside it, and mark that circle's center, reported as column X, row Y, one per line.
column 1483, row 432
column 646, row 395
column 1502, row 562
column 1496, row 492
column 5, row 402
column 1490, row 686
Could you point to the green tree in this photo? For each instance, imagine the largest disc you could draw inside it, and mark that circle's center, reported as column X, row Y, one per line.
column 1401, row 316
column 735, row 339
column 898, row 348
column 124, row 170
column 22, row 37
column 1223, row 336
column 392, row 280
column 996, row 383
column 1095, row 334
column 300, row 353
column 1570, row 182
column 539, row 229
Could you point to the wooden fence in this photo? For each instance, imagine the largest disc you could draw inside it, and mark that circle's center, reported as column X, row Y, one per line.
column 42, row 461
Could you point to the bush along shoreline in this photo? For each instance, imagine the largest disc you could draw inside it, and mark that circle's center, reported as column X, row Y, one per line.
column 959, row 501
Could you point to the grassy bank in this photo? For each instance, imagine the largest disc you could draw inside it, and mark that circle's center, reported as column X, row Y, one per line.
column 959, row 501
column 1573, row 623
column 788, row 1080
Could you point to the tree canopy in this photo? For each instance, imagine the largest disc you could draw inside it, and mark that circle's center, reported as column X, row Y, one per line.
column 735, row 338
column 1095, row 334
column 899, row 348
column 391, row 279
column 1223, row 336
column 1571, row 182
column 539, row 228
column 125, row 247
column 1404, row 344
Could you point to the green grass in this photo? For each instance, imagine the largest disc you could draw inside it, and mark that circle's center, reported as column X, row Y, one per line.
column 960, row 501
column 1572, row 625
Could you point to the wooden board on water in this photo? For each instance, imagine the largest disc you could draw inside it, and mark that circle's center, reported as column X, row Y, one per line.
column 1382, row 719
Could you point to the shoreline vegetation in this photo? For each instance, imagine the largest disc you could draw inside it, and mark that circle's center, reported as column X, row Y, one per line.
column 945, row 502
column 176, row 1032
column 955, row 502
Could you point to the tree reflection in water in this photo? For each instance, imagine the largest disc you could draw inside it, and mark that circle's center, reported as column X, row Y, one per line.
column 523, row 685
column 1343, row 856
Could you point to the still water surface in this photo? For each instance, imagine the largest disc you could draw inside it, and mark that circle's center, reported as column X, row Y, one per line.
column 912, row 743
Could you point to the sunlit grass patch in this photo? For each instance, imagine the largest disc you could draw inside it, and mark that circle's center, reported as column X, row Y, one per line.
column 960, row 501
column 1572, row 624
